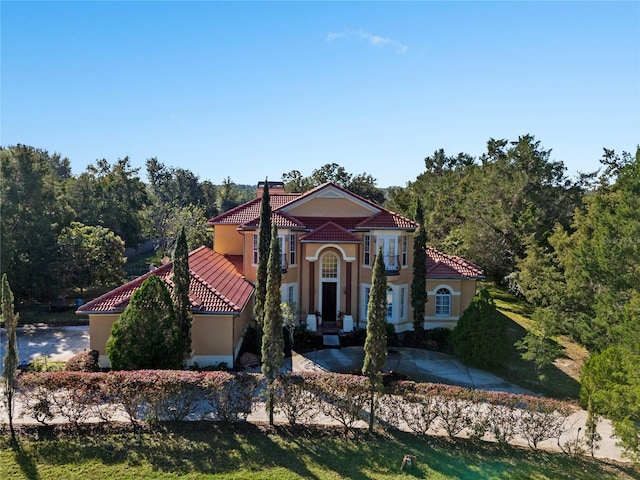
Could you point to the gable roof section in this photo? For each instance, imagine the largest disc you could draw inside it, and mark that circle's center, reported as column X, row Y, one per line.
column 216, row 286
column 250, row 211
column 331, row 190
column 330, row 232
column 441, row 265
column 282, row 220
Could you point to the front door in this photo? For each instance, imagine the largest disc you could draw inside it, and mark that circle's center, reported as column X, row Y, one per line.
column 329, row 301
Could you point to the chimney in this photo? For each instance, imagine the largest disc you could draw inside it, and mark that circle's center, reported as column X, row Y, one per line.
column 275, row 188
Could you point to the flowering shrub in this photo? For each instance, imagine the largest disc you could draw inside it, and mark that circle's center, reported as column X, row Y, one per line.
column 542, row 419
column 230, row 395
column 343, row 398
column 155, row 395
column 74, row 396
column 294, row 400
column 412, row 404
column 84, row 362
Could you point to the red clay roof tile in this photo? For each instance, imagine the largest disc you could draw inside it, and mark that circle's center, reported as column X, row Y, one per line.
column 216, row 286
column 441, row 265
column 330, row 232
column 387, row 219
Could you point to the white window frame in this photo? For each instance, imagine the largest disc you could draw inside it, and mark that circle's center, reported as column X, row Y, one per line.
column 366, row 291
column 292, row 249
column 366, row 260
column 283, row 253
column 256, row 251
column 405, row 255
column 443, row 302
column 403, row 303
column 388, row 243
column 289, row 293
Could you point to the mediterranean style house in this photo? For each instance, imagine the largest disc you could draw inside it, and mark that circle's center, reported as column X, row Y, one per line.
column 329, row 238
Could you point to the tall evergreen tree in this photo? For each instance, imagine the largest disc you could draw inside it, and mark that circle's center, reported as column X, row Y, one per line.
column 375, row 345
column 272, row 337
column 419, row 282
column 264, row 245
column 147, row 335
column 181, row 281
column 10, row 363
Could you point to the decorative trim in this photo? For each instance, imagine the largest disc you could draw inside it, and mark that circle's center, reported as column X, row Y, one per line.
column 329, row 245
column 452, row 291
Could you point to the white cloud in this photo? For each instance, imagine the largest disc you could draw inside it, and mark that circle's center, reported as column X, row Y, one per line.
column 374, row 40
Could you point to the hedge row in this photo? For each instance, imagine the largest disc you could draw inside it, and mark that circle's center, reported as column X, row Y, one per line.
column 143, row 395
column 424, row 408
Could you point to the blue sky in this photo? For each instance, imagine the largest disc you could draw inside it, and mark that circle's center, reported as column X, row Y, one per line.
column 249, row 90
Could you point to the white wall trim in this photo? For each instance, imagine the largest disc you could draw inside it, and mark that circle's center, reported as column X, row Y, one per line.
column 331, row 245
column 453, row 292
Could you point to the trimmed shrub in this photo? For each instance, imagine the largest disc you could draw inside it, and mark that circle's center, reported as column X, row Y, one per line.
column 294, row 400
column 86, row 361
column 230, row 395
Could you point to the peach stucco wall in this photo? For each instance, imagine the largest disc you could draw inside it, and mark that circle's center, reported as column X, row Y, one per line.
column 227, row 240
column 214, row 338
column 330, row 207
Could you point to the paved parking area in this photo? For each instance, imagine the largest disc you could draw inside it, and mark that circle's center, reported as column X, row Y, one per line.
column 56, row 343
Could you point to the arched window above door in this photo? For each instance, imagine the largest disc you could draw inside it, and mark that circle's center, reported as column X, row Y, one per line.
column 329, row 266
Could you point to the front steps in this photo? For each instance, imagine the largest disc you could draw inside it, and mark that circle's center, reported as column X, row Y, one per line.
column 330, row 340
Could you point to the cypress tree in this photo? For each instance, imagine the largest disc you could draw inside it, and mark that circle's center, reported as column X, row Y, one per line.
column 147, row 335
column 375, row 345
column 10, row 362
column 419, row 281
column 272, row 337
column 181, row 282
column 264, row 245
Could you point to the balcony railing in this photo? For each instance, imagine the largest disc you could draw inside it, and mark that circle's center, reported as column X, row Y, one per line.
column 391, row 264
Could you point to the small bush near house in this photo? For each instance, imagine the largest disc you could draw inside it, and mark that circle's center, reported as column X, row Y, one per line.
column 86, row 361
column 43, row 364
column 480, row 337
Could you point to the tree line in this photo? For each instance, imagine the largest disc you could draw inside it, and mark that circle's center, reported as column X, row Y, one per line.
column 60, row 231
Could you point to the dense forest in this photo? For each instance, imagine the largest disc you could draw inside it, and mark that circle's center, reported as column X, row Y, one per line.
column 569, row 246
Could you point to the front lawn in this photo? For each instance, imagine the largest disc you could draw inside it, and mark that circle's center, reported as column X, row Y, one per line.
column 560, row 380
column 248, row 451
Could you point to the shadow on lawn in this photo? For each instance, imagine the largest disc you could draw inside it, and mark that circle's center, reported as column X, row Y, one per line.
column 556, row 383
column 24, row 460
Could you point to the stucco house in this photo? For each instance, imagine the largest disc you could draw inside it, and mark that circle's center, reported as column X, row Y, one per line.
column 329, row 239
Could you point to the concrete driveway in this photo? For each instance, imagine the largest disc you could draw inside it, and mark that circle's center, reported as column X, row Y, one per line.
column 417, row 364
column 56, row 343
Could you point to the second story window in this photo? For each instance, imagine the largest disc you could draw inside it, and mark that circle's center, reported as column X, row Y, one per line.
column 404, row 251
column 389, row 251
column 292, row 249
column 255, row 248
column 367, row 250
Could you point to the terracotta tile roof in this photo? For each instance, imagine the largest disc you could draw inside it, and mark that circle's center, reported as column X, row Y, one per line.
column 282, row 220
column 330, row 232
column 217, row 286
column 249, row 211
column 387, row 219
column 441, row 265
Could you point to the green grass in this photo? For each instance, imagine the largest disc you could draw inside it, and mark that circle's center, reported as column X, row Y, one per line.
column 561, row 383
column 209, row 450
